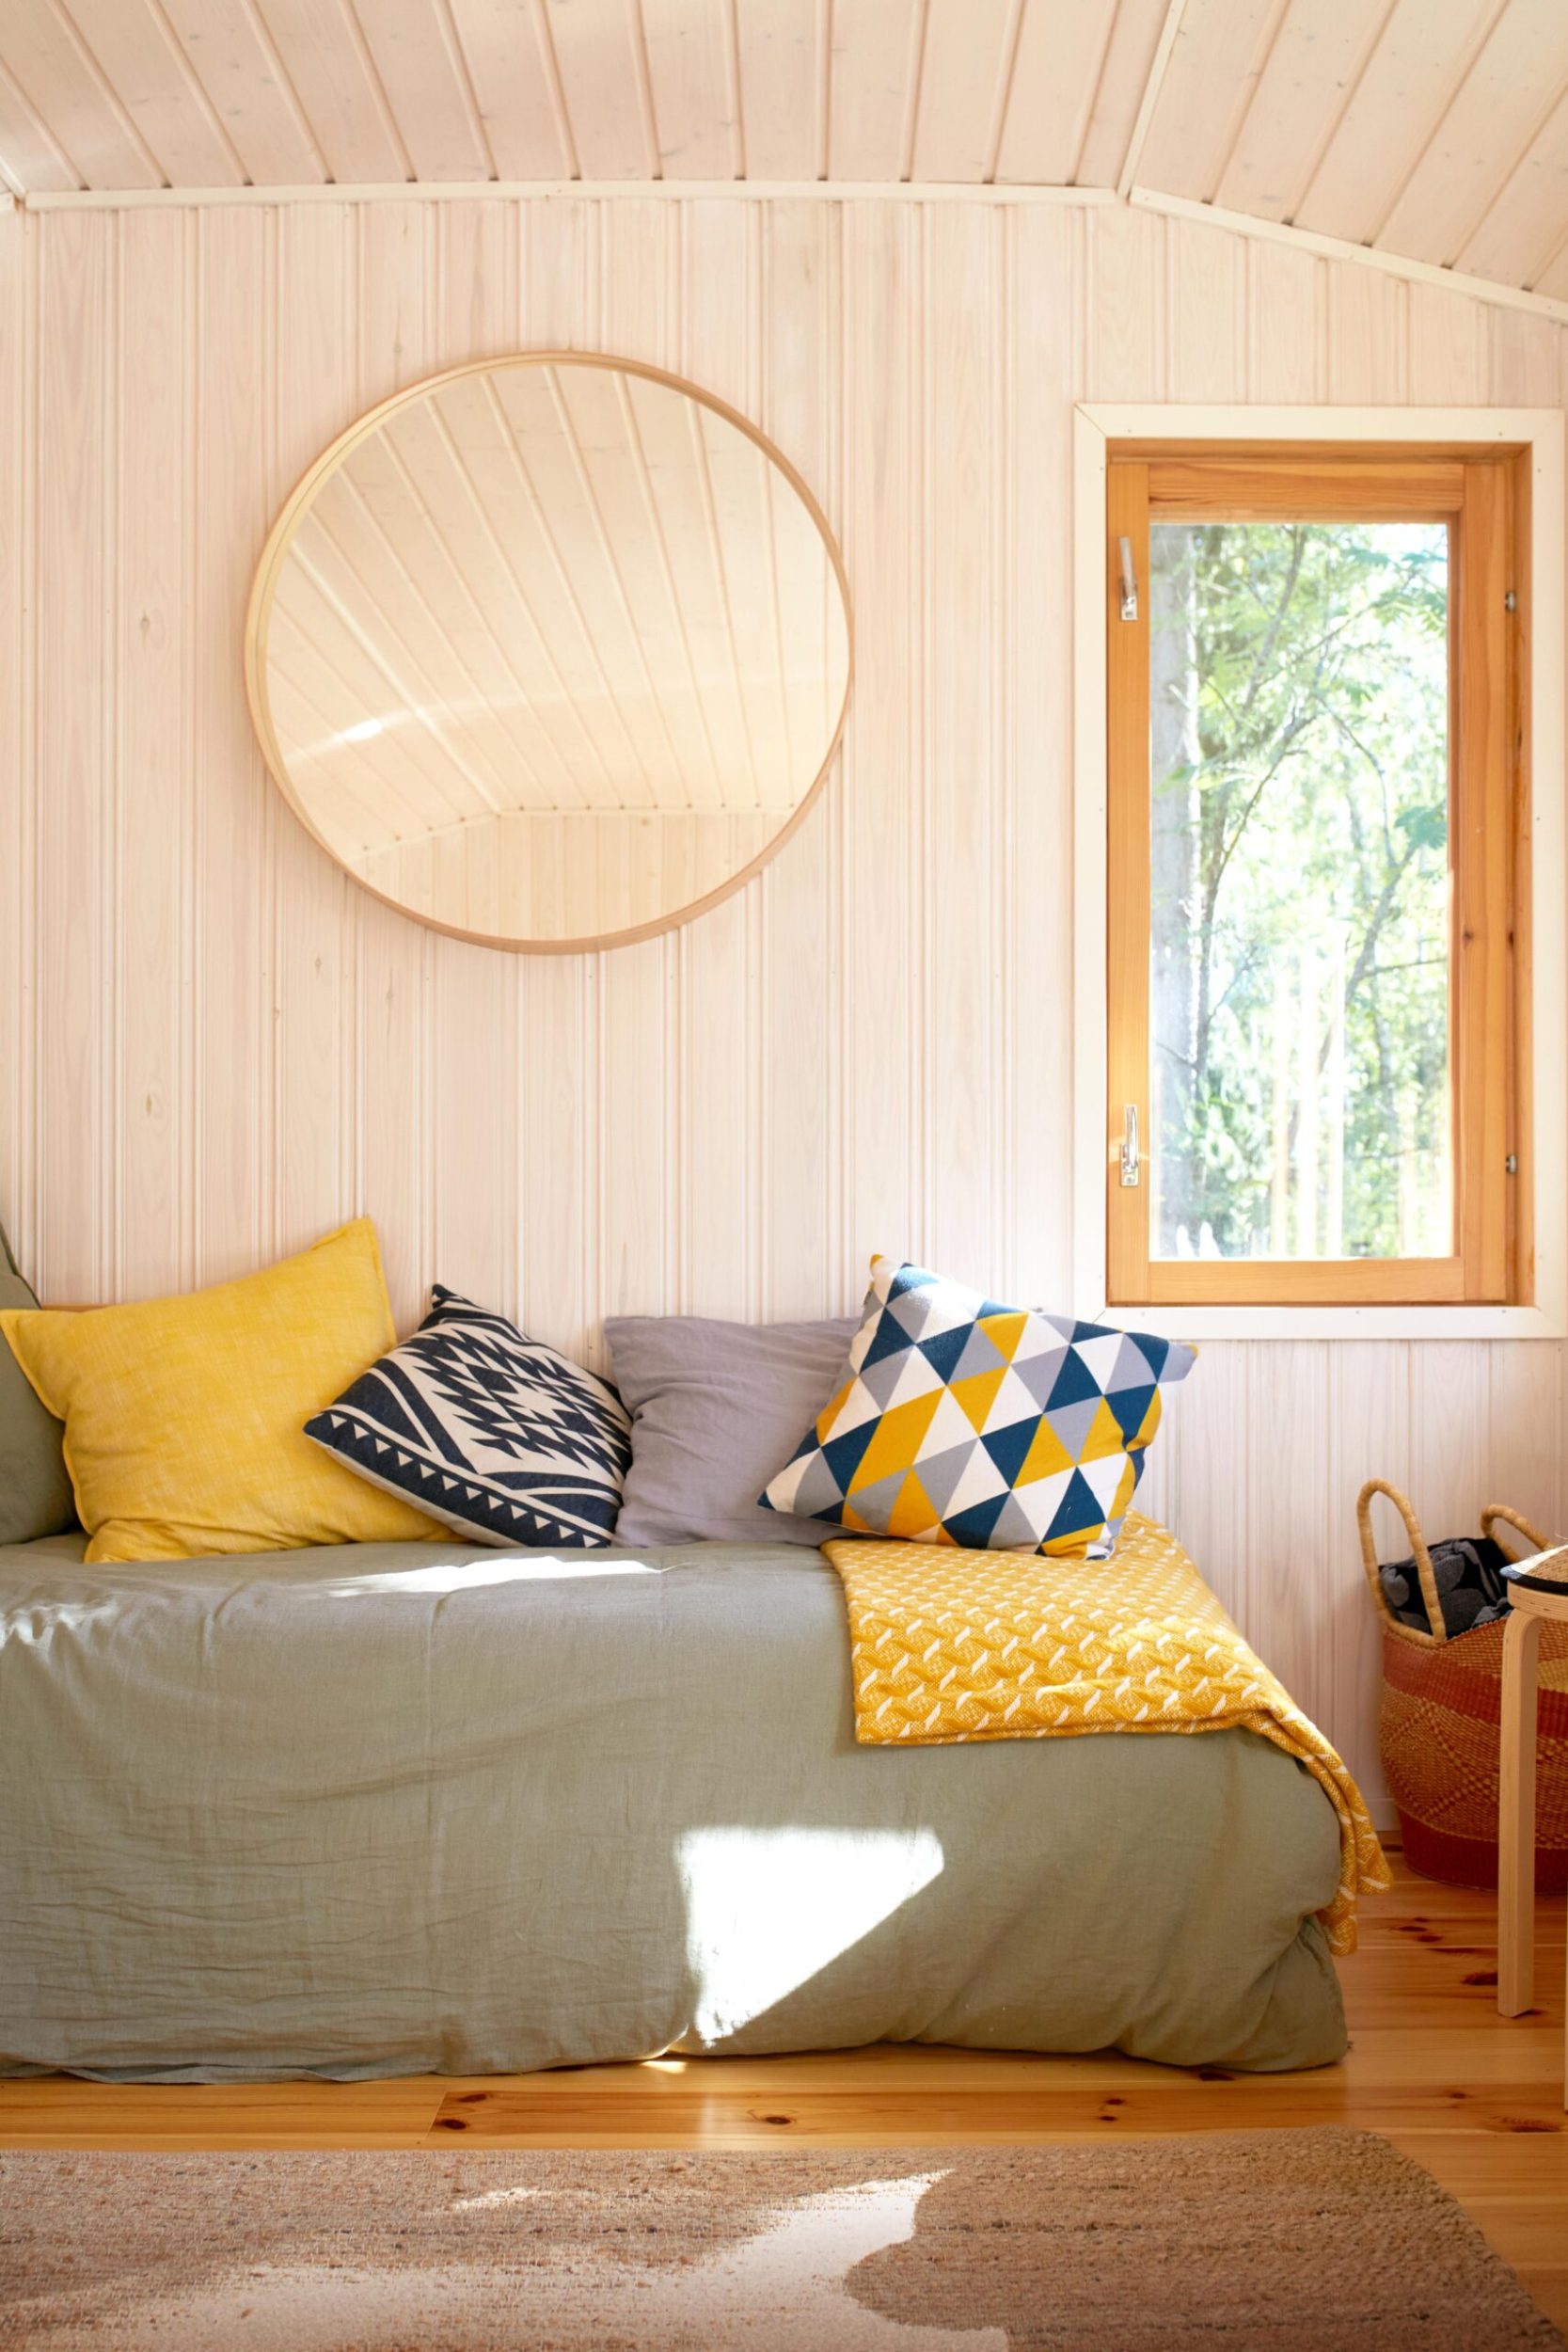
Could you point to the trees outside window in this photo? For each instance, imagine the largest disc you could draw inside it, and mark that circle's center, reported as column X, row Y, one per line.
column 1300, row 900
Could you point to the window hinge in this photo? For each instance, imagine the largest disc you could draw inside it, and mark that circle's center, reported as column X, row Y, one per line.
column 1130, row 1156
column 1510, row 602
column 1129, row 580
column 1511, row 1164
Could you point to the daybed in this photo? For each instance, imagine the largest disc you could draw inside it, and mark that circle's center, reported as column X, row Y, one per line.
column 392, row 1809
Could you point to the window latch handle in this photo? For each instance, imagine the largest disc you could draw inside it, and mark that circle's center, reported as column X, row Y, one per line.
column 1129, row 1154
column 1129, row 595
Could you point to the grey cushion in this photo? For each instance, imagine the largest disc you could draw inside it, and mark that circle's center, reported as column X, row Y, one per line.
column 34, row 1490
column 717, row 1409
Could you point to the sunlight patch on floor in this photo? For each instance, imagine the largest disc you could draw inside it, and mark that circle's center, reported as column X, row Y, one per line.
column 785, row 2287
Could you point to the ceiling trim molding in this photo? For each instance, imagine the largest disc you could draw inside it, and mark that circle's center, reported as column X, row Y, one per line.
column 472, row 191
column 821, row 191
column 1341, row 250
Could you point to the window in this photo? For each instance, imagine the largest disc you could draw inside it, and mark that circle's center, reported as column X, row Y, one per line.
column 1316, row 846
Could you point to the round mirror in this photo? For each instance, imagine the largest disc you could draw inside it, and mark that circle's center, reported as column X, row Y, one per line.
column 549, row 651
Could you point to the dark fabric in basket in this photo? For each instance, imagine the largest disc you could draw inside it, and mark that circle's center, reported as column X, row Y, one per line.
column 1470, row 1585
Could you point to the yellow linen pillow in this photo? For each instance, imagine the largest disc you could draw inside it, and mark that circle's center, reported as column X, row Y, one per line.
column 184, row 1416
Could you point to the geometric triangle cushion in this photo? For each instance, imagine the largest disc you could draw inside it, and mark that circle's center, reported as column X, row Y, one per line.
column 961, row 1422
column 498, row 1436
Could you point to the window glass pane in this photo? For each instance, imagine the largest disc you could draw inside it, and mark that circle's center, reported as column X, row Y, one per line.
column 1300, row 1031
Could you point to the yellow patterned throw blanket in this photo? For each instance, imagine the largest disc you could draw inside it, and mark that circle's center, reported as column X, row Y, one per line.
column 948, row 1645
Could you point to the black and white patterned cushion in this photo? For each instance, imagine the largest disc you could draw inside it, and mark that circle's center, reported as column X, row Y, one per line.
column 494, row 1433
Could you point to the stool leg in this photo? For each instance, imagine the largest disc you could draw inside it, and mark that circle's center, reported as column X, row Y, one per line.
column 1516, row 1818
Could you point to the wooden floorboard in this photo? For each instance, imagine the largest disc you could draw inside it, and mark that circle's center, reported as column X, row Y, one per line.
column 1475, row 2097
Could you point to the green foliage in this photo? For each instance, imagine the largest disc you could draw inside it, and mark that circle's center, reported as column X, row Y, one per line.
column 1300, row 737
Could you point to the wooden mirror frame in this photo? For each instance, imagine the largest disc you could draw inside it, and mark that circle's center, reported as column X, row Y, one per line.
column 297, row 505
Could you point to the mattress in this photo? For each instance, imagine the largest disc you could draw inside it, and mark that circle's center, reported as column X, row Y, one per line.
column 428, row 1808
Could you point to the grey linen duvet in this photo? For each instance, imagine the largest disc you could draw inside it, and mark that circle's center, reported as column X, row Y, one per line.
column 410, row 1808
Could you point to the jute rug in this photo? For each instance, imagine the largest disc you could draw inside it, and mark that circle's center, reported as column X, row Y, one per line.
column 1312, row 2241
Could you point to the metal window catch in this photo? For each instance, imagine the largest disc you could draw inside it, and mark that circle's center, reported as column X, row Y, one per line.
column 1129, row 1155
column 1129, row 613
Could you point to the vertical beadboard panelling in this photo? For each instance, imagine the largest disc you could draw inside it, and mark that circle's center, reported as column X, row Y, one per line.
column 1207, row 313
column 801, row 1080
column 212, row 1045
column 151, row 610
column 884, row 556
column 1042, row 368
column 315, row 1100
column 1287, row 346
column 1293, row 1531
column 396, row 1132
column 1369, row 1436
column 640, row 1079
column 233, row 822
column 1209, row 1426
column 963, row 492
column 472, row 1146
column 1127, row 336
column 1524, row 1452
column 557, row 1087
column 719, row 347
column 1207, row 303
column 1368, row 338
column 76, row 769
column 1450, row 1433
column 1526, row 358
column 1448, row 358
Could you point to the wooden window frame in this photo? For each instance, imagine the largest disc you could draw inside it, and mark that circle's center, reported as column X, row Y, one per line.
column 1506, row 1275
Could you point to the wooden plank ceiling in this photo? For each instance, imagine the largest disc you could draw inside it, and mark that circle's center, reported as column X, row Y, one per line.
column 1435, row 131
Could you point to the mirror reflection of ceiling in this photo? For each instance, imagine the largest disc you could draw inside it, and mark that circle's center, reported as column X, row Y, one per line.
column 554, row 651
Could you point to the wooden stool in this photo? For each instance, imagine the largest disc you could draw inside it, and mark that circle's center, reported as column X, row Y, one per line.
column 1540, row 1593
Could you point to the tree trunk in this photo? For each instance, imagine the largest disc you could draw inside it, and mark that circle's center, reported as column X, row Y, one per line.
column 1176, row 925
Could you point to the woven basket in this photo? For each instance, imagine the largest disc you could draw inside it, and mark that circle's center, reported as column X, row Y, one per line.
column 1442, row 1707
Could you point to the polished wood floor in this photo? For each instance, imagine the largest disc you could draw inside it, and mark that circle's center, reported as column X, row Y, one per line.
column 1475, row 2097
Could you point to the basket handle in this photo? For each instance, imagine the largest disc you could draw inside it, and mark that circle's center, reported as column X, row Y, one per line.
column 1406, row 1510
column 1533, row 1535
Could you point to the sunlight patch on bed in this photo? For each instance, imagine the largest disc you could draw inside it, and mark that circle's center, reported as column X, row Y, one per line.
column 502, row 1567
column 35, row 1623
column 769, row 1908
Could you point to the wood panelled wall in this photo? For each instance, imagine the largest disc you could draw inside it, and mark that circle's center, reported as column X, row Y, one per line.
column 213, row 1046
